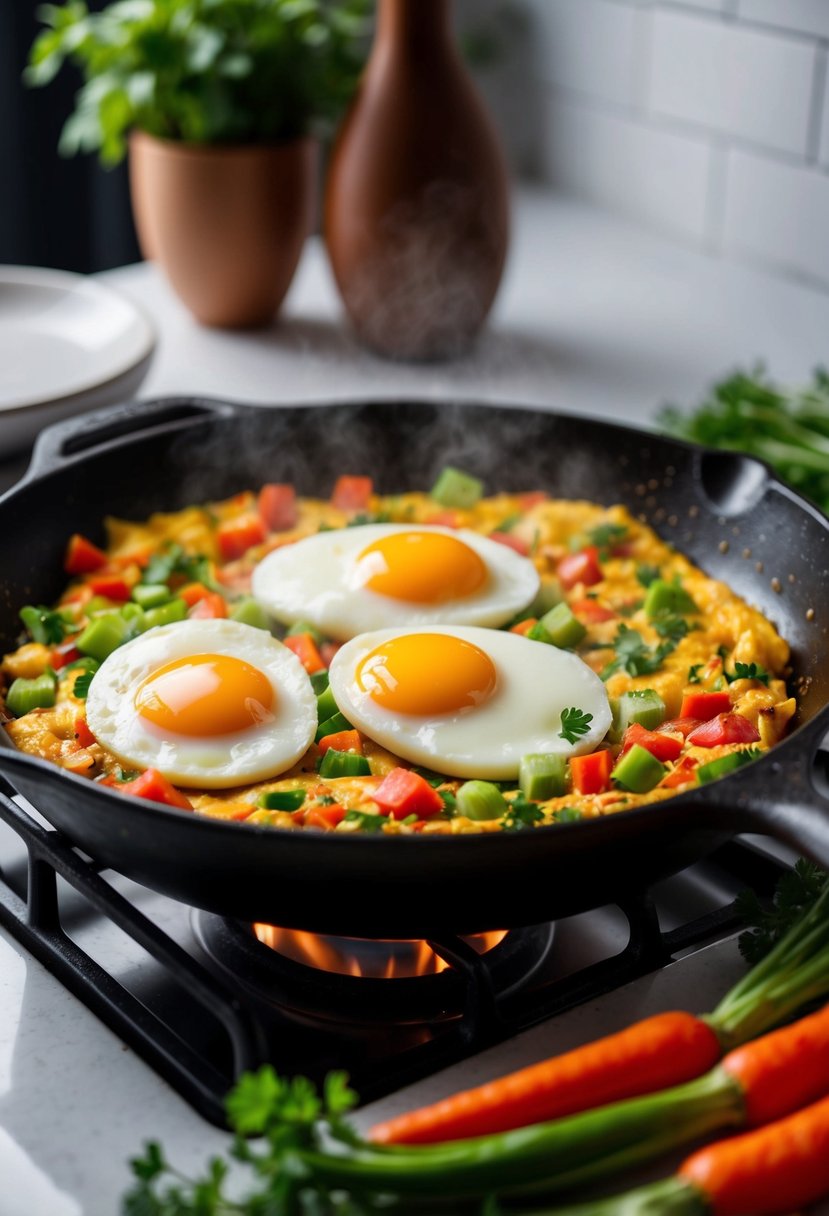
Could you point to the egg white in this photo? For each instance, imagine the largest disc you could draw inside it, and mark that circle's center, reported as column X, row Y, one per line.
column 317, row 580
column 535, row 683
column 254, row 754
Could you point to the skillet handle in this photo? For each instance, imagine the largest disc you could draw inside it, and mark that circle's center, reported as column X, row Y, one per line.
column 59, row 444
column 778, row 796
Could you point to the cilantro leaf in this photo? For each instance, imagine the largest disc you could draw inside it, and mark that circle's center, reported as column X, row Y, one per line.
column 645, row 574
column 173, row 560
column 747, row 671
column 605, row 537
column 693, row 673
column 365, row 820
column 634, row 656
column 797, row 890
column 522, row 813
column 574, row 723
column 668, row 625
column 45, row 626
column 80, row 688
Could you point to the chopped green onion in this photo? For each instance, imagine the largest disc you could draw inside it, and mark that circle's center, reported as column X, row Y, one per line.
column 249, row 612
column 480, row 800
column 151, row 595
column 725, row 764
column 542, row 776
column 319, row 683
column 642, row 705
column 456, row 489
column 561, row 627
column 281, row 800
column 132, row 612
column 167, row 614
column 25, row 695
column 326, row 705
column 103, row 635
column 332, row 726
column 670, row 598
column 344, row 764
column 638, row 771
column 549, row 595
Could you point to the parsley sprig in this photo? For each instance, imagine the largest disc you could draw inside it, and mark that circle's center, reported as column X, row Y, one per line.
column 574, row 723
column 797, row 890
column 634, row 656
column 45, row 626
column 605, row 537
column 748, row 671
column 173, row 560
column 522, row 813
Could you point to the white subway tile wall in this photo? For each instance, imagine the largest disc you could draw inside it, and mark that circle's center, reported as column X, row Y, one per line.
column 707, row 119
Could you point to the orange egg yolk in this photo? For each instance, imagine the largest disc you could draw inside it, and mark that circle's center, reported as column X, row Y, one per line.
column 205, row 695
column 427, row 674
column 421, row 567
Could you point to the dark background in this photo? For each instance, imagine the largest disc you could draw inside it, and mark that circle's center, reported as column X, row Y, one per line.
column 71, row 213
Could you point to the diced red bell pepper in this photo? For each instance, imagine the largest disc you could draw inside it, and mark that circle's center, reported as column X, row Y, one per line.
column 64, row 654
column 663, row 747
column 524, row 627
column 191, row 593
column 325, row 817
column 512, row 542
column 582, row 567
column 155, row 787
column 328, row 650
column 705, row 705
column 235, row 536
column 78, row 595
column 236, row 578
column 725, row 728
column 444, row 519
column 277, row 506
column 531, row 499
column 82, row 557
column 591, row 773
column 402, row 793
column 681, row 775
column 110, row 586
column 352, row 493
column 680, row 726
column 342, row 741
column 305, row 649
column 82, row 732
column 592, row 611
column 211, row 607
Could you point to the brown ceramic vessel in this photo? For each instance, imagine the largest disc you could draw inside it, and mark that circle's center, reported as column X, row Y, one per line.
column 416, row 207
column 226, row 224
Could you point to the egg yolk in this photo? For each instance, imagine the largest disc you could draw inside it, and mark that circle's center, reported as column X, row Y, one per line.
column 205, row 695
column 421, row 567
column 427, row 674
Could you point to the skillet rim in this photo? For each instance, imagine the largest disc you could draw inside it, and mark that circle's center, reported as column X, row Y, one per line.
column 218, row 409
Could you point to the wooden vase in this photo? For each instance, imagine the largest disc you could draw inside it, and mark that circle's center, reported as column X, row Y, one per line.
column 226, row 224
column 416, row 206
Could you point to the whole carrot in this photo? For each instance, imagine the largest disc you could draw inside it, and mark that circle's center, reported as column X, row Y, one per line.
column 667, row 1049
column 766, row 1172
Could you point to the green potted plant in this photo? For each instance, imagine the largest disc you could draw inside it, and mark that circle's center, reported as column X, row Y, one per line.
column 218, row 103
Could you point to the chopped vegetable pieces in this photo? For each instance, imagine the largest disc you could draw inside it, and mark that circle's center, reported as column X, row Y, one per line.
column 723, row 729
column 582, row 567
column 277, row 506
column 543, row 775
column 235, row 536
column 82, row 557
column 454, row 488
column 155, row 787
column 352, row 493
column 403, row 792
column 591, row 774
column 480, row 800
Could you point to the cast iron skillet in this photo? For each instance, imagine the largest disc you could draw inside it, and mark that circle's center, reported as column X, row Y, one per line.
column 723, row 510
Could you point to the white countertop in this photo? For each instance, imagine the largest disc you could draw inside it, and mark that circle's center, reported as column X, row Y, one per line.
column 595, row 316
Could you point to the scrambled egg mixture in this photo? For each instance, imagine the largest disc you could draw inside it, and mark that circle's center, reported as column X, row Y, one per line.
column 707, row 672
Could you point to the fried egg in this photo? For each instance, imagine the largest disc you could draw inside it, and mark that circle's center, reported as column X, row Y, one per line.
column 353, row 580
column 466, row 701
column 209, row 703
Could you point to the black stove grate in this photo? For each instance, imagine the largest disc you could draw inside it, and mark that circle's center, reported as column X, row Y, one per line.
column 206, row 1032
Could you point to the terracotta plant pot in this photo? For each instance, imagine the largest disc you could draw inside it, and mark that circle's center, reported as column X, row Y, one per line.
column 226, row 224
column 416, row 208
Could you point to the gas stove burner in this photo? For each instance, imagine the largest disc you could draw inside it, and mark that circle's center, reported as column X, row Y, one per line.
column 362, row 982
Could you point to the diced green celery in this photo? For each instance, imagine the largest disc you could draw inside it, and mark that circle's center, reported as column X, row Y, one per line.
column 96, row 605
column 568, row 814
column 638, row 771
column 167, row 614
column 104, row 634
column 25, row 695
column 642, row 705
column 480, row 800
column 281, row 800
column 132, row 612
column 667, row 597
column 724, row 765
column 549, row 594
column 151, row 595
column 299, row 627
column 564, row 630
column 542, row 775
column 319, row 682
column 539, row 634
column 326, row 705
column 332, row 726
column 344, row 764
column 456, row 489
column 249, row 611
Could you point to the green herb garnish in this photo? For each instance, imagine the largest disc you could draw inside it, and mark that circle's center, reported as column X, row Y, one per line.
column 574, row 723
column 634, row 656
column 748, row 671
column 605, row 537
column 796, row 891
column 645, row 574
column 45, row 626
column 521, row 813
column 80, row 688
column 693, row 673
column 365, row 821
